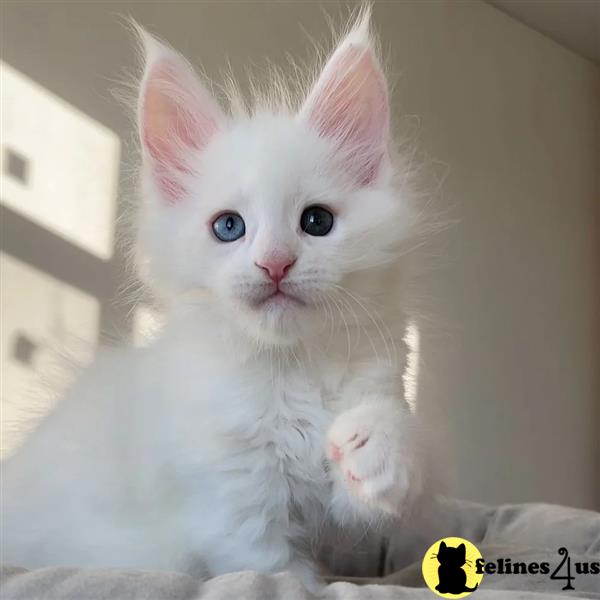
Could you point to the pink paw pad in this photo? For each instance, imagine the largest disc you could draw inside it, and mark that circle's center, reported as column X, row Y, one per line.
column 351, row 476
column 335, row 452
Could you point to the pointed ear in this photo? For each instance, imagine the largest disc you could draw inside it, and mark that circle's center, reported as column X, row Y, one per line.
column 177, row 116
column 442, row 545
column 462, row 549
column 350, row 104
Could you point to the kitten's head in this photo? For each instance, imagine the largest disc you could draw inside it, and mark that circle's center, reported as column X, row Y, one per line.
column 269, row 213
column 452, row 557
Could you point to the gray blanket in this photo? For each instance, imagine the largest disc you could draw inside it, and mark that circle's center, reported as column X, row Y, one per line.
column 376, row 566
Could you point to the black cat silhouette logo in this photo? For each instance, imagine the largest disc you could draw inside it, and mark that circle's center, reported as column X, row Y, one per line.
column 449, row 568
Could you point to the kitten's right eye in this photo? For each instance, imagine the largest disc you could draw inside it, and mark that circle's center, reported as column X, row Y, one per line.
column 316, row 220
column 229, row 227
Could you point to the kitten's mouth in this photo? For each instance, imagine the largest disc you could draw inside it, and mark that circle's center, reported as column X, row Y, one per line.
column 278, row 298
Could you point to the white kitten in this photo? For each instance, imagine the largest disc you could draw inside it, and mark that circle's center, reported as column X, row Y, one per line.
column 272, row 403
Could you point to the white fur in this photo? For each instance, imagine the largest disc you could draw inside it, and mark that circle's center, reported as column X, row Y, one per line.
column 207, row 450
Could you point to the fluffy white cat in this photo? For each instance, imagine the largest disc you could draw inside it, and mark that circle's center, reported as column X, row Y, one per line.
column 272, row 403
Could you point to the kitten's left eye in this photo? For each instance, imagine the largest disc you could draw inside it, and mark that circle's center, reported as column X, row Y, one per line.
column 229, row 227
column 316, row 220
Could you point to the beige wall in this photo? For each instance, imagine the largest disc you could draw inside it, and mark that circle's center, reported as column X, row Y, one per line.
column 510, row 355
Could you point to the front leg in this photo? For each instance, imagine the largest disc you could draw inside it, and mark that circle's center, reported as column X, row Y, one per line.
column 374, row 451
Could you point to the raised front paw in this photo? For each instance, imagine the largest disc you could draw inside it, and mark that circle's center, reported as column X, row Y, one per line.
column 374, row 448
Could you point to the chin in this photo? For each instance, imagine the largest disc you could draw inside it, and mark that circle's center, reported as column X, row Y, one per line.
column 280, row 320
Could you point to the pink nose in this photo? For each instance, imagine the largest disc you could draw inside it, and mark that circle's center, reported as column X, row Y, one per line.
column 276, row 269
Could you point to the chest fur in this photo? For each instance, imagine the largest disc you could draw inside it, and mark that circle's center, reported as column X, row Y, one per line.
column 256, row 445
column 291, row 431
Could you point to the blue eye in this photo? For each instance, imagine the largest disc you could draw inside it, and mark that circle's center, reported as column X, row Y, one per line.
column 229, row 227
column 316, row 220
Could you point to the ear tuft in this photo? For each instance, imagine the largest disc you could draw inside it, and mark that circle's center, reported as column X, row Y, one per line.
column 177, row 116
column 349, row 103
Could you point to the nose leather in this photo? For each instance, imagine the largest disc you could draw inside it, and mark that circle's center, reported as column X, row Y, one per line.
column 276, row 268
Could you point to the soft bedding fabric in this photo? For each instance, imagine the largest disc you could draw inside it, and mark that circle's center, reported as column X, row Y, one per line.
column 376, row 567
column 70, row 584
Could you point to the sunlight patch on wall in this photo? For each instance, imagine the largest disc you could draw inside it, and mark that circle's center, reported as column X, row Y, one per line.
column 59, row 166
column 411, row 373
column 35, row 339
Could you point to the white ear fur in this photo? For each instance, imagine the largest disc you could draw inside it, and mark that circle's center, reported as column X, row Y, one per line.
column 349, row 103
column 177, row 116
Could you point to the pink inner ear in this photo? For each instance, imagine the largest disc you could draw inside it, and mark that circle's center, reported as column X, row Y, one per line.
column 350, row 105
column 177, row 117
